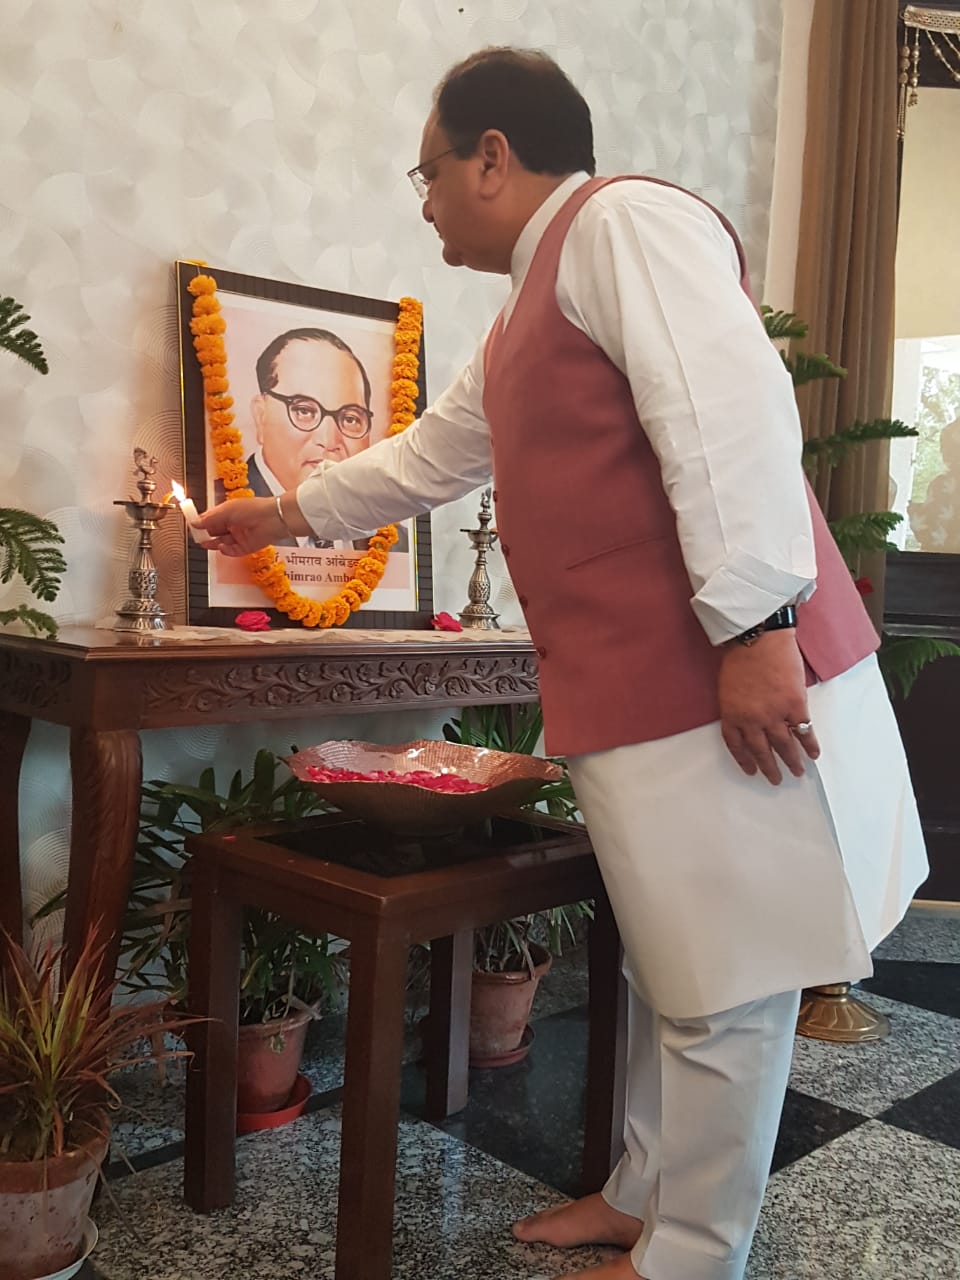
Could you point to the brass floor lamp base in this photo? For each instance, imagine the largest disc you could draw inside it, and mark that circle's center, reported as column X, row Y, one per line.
column 832, row 1013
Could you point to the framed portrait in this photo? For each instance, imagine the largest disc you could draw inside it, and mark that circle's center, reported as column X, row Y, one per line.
column 310, row 373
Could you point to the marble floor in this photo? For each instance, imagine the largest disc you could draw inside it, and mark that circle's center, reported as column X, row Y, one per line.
column 865, row 1183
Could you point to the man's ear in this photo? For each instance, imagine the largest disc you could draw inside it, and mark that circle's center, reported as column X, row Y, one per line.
column 494, row 152
column 258, row 409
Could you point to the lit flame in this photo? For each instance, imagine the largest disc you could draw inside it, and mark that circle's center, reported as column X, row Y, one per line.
column 179, row 493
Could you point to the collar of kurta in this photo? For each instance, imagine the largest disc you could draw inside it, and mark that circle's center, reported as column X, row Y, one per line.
column 529, row 237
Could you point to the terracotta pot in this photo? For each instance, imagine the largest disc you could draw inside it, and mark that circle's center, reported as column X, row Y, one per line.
column 500, row 1008
column 43, row 1207
column 268, row 1060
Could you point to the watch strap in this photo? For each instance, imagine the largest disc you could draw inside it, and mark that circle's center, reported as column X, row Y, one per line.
column 783, row 619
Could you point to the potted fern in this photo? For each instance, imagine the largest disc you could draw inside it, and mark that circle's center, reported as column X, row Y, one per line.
column 901, row 658
column 59, row 1046
column 29, row 545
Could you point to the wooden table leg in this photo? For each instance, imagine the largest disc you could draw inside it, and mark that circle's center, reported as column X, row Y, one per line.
column 607, row 1054
column 14, row 731
column 211, row 1125
column 371, row 1106
column 106, row 773
column 447, row 1042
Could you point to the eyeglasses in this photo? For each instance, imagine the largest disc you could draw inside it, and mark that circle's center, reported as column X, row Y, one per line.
column 306, row 414
column 421, row 184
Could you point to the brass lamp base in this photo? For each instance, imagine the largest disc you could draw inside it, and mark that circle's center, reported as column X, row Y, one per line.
column 832, row 1013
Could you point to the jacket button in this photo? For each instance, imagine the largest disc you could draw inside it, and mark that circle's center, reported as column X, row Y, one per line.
column 522, row 601
column 541, row 651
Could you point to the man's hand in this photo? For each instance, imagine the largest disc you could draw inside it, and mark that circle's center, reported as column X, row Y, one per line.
column 762, row 694
column 243, row 525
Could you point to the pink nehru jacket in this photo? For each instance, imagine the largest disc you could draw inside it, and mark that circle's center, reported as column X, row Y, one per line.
column 591, row 542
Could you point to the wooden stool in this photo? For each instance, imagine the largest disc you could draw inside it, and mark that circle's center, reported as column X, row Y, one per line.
column 332, row 874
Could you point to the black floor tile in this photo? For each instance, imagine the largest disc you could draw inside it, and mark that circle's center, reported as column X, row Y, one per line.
column 934, row 1112
column 808, row 1123
column 530, row 1115
column 922, row 983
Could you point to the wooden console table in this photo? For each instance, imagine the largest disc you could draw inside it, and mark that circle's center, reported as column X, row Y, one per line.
column 106, row 686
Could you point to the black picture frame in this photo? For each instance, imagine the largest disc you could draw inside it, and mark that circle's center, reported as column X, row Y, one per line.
column 200, row 610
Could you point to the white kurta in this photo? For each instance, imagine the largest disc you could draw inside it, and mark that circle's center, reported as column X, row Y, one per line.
column 726, row 888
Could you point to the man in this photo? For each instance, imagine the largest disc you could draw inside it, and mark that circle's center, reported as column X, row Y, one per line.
column 645, row 448
column 313, row 407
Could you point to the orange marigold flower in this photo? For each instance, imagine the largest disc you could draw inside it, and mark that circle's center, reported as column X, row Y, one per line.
column 224, row 435
column 341, row 611
column 233, row 494
column 231, row 452
column 213, row 385
column 206, row 305
column 217, row 400
column 351, row 598
column 208, row 324
column 389, row 534
column 222, row 418
column 361, row 590
column 405, row 387
column 367, row 565
column 202, row 284
column 298, row 609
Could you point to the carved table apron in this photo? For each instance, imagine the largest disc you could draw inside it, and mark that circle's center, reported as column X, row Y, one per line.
column 107, row 686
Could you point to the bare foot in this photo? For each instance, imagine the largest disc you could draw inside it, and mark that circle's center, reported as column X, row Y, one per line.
column 587, row 1221
column 619, row 1269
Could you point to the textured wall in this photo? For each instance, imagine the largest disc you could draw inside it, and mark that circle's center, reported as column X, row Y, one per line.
column 273, row 139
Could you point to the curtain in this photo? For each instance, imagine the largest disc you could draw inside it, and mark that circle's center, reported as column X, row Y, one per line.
column 847, row 245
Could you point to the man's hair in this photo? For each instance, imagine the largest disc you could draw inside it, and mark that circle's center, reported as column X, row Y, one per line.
column 267, row 363
column 526, row 96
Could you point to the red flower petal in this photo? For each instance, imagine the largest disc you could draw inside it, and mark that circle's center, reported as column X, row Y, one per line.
column 445, row 622
column 864, row 586
column 253, row 620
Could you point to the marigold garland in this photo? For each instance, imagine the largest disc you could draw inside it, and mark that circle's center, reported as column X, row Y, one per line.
column 266, row 567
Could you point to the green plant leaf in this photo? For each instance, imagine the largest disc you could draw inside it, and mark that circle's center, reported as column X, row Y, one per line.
column 832, row 450
column 16, row 338
column 39, row 623
column 29, row 546
column 864, row 531
column 806, row 366
column 781, row 325
column 902, row 658
column 58, row 1045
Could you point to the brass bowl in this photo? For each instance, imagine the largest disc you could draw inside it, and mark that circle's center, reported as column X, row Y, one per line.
column 509, row 779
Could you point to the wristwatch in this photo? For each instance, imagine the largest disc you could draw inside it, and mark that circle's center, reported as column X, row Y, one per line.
column 779, row 621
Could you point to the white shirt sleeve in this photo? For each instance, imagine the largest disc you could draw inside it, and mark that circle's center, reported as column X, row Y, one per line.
column 651, row 276
column 442, row 456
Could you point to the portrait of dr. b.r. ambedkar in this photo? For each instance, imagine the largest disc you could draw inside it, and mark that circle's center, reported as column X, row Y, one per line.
column 313, row 406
